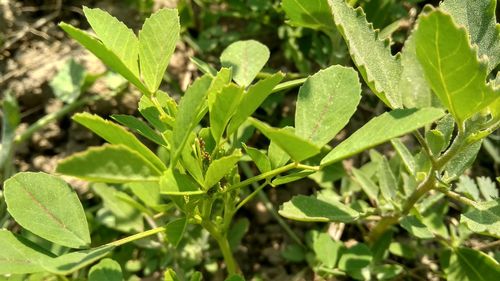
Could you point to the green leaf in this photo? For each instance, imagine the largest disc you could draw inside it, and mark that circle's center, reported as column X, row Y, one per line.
column 252, row 99
column 435, row 140
column 203, row 66
column 118, row 135
column 312, row 14
column 109, row 163
column 246, row 58
column 116, row 36
column 381, row 129
column 189, row 108
column 368, row 186
column 106, row 269
column 157, row 40
column 107, row 56
column 259, row 158
column 446, row 126
column 147, row 192
column 190, row 160
column 172, row 182
column 478, row 17
column 298, row 148
column 139, row 127
column 468, row 187
column 387, row 180
column 415, row 227
column 462, row 160
column 451, row 66
column 235, row 278
column 11, row 116
column 304, row 208
column 380, row 247
column 380, row 70
column 326, row 249
column 414, row 88
column 277, row 156
column 237, row 232
column 326, row 176
column 326, row 102
column 224, row 107
column 19, row 255
column 294, row 253
column 196, row 276
column 220, row 80
column 68, row 82
column 48, row 207
column 170, row 275
column 174, row 230
column 402, row 249
column 71, row 262
column 220, row 167
column 355, row 259
column 388, row 271
column 434, row 214
column 488, row 188
column 123, row 216
column 471, row 265
column 406, row 156
column 484, row 218
column 151, row 113
column 291, row 177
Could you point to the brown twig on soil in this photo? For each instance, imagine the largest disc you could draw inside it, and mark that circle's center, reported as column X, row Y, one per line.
column 488, row 245
column 31, row 28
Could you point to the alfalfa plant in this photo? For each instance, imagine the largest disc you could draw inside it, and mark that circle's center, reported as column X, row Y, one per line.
column 197, row 170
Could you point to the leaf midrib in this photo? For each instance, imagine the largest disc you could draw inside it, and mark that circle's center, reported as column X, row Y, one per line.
column 307, row 12
column 470, row 265
column 47, row 211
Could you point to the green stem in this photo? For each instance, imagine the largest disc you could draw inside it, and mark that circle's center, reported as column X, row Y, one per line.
column 308, row 167
column 227, row 254
column 425, row 146
column 288, row 85
column 455, row 147
column 428, row 184
column 137, row 236
column 163, row 115
column 262, row 176
column 252, row 195
column 457, row 197
column 270, row 174
column 288, row 75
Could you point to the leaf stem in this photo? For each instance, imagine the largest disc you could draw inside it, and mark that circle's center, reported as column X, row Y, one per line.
column 163, row 115
column 421, row 140
column 455, row 147
column 251, row 196
column 262, row 176
column 137, row 236
column 424, row 187
column 227, row 254
column 457, row 197
column 308, row 167
column 429, row 183
column 288, row 85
